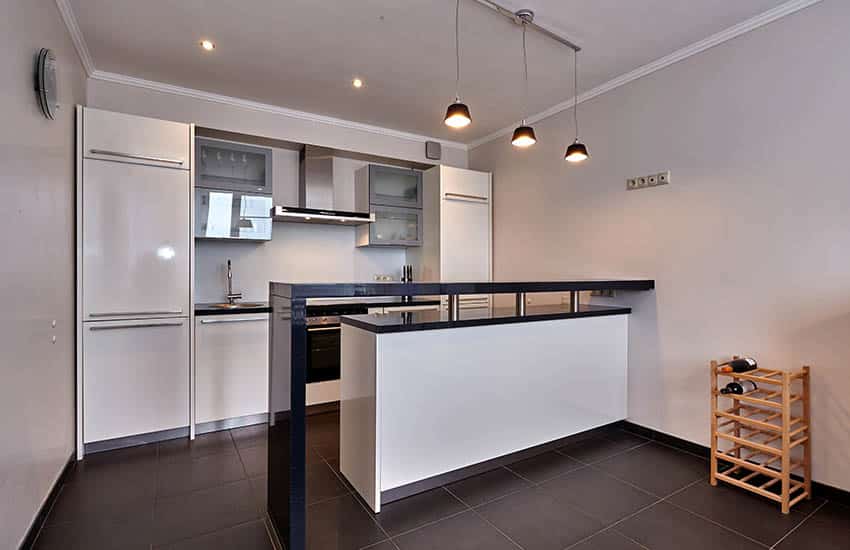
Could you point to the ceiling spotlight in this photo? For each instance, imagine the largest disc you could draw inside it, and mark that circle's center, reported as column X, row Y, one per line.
column 457, row 115
column 357, row 83
column 207, row 45
column 524, row 134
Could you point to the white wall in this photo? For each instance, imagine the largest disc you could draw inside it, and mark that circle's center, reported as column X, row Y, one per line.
column 37, row 270
column 297, row 252
column 749, row 246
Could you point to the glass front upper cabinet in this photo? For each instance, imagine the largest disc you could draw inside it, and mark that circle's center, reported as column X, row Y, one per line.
column 233, row 166
column 393, row 226
column 391, row 186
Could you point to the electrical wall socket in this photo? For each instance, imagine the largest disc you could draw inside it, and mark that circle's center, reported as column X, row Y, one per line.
column 652, row 180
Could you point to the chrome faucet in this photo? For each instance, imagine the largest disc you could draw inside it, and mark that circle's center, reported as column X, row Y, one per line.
column 231, row 296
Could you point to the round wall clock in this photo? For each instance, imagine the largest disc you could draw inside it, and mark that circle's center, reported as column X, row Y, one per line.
column 45, row 83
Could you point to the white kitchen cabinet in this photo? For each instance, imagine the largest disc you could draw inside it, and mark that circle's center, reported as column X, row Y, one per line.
column 457, row 239
column 134, row 139
column 136, row 377
column 136, row 241
column 231, row 366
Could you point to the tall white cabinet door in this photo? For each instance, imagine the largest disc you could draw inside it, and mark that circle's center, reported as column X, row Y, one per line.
column 136, row 239
column 465, row 225
column 135, row 378
column 129, row 138
column 231, row 366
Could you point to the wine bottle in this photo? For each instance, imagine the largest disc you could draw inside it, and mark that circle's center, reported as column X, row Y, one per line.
column 741, row 364
column 738, row 388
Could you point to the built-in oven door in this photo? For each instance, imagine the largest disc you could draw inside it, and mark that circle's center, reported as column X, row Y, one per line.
column 323, row 353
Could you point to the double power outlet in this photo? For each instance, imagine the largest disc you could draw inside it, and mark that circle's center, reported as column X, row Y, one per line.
column 652, row 180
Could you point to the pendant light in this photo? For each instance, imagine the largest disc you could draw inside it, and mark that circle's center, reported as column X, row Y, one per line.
column 524, row 135
column 577, row 151
column 457, row 115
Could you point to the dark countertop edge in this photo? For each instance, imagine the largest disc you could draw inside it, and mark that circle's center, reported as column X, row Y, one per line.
column 331, row 290
column 205, row 309
column 599, row 311
column 434, row 302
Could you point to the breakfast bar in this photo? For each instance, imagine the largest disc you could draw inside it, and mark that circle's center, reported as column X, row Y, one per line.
column 432, row 395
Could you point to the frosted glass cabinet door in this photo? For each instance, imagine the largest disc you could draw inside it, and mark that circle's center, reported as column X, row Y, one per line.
column 389, row 186
column 396, row 226
column 136, row 240
column 135, row 377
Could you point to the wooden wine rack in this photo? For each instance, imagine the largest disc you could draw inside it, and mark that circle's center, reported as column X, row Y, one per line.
column 763, row 442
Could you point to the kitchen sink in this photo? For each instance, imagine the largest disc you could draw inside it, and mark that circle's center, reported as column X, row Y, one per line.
column 237, row 305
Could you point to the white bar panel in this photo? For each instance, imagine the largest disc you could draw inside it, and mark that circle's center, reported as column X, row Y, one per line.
column 456, row 397
column 359, row 433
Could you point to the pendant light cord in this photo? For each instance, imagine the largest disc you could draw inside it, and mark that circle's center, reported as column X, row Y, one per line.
column 525, row 64
column 457, row 51
column 575, row 91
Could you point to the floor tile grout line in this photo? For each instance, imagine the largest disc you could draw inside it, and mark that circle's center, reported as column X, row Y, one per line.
column 484, row 519
column 618, row 453
column 805, row 519
column 614, row 524
column 429, row 523
column 725, row 527
column 363, row 506
column 208, row 533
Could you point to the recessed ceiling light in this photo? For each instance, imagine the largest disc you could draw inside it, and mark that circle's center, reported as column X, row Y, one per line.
column 207, row 45
column 357, row 83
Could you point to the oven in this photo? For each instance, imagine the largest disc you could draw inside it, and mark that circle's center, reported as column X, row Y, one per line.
column 323, row 339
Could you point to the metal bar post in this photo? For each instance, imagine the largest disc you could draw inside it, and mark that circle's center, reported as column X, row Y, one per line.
column 454, row 307
column 520, row 303
column 574, row 301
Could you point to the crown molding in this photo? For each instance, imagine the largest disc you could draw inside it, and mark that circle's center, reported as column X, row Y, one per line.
column 725, row 35
column 265, row 107
column 76, row 35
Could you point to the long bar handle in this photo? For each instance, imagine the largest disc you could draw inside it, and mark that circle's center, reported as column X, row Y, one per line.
column 321, row 329
column 247, row 320
column 464, row 197
column 134, row 313
column 145, row 325
column 119, row 154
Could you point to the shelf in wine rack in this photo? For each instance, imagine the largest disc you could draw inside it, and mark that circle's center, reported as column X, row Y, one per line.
column 764, row 438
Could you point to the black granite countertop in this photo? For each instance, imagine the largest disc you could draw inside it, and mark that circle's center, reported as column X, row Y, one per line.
column 365, row 289
column 432, row 320
column 248, row 307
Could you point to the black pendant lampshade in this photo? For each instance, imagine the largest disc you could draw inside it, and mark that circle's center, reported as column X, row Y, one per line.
column 523, row 136
column 576, row 152
column 457, row 115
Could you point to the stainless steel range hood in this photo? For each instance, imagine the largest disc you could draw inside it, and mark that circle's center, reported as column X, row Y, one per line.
column 316, row 194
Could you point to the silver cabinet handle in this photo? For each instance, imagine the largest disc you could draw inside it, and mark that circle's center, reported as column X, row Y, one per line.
column 137, row 157
column 322, row 329
column 144, row 325
column 134, row 313
column 462, row 197
column 248, row 320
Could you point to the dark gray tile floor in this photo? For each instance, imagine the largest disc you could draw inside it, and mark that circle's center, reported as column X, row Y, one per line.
column 608, row 490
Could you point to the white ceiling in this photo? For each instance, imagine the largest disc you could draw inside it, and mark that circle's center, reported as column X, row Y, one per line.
column 302, row 54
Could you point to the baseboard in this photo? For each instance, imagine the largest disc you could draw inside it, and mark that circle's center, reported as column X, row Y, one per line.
column 231, row 423
column 822, row 490
column 133, row 440
column 47, row 505
column 404, row 491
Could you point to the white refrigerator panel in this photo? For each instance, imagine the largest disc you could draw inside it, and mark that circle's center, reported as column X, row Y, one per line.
column 136, row 378
column 136, row 241
column 464, row 239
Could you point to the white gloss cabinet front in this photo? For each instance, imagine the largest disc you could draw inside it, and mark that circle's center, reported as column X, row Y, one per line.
column 231, row 366
column 136, row 241
column 419, row 404
column 136, row 378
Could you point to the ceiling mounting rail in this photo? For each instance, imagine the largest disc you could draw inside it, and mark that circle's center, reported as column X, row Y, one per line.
column 526, row 17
